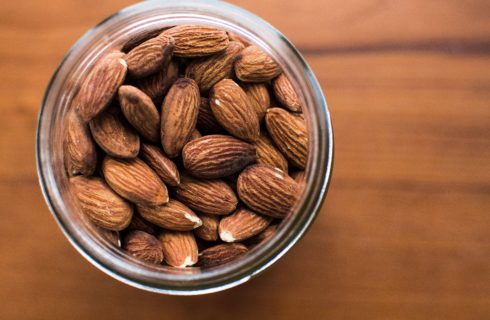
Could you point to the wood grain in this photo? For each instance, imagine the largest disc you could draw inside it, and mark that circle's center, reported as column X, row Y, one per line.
column 404, row 232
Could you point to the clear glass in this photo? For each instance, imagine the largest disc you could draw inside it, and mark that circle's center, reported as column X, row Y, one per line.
column 112, row 32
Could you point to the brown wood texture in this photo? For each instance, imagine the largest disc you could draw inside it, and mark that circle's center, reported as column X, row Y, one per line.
column 405, row 230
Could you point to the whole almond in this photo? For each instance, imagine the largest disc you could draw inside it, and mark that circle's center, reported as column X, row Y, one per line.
column 157, row 85
column 110, row 235
column 221, row 254
column 114, row 135
column 195, row 135
column 140, row 111
column 289, row 135
column 209, row 229
column 285, row 93
column 99, row 87
column 179, row 115
column 241, row 225
column 148, row 57
column 172, row 216
column 138, row 37
column 209, row 71
column 267, row 153
column 254, row 65
column 179, row 248
column 232, row 109
column 134, row 181
column 207, row 196
column 193, row 41
column 206, row 121
column 259, row 98
column 80, row 154
column 161, row 164
column 267, row 190
column 217, row 156
column 143, row 246
column 138, row 223
column 263, row 236
column 102, row 205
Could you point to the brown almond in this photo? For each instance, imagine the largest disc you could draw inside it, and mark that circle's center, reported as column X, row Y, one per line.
column 217, row 156
column 263, row 236
column 80, row 154
column 134, row 181
column 179, row 115
column 172, row 216
column 157, row 85
column 254, row 65
column 138, row 37
column 161, row 164
column 206, row 121
column 179, row 248
column 234, row 37
column 195, row 135
column 102, row 205
column 143, row 246
column 241, row 225
column 267, row 153
column 114, row 135
column 138, row 223
column 232, row 109
column 207, row 196
column 209, row 71
column 289, row 135
column 221, row 254
column 99, row 87
column 267, row 190
column 193, row 41
column 140, row 111
column 285, row 93
column 259, row 98
column 111, row 236
column 209, row 229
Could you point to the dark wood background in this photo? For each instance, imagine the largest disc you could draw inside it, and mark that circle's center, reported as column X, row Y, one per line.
column 405, row 230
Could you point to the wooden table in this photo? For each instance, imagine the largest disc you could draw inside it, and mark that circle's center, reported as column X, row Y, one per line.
column 405, row 230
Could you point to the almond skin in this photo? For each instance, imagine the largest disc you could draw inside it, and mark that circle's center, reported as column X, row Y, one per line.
column 148, row 57
column 221, row 254
column 267, row 190
column 135, row 181
column 98, row 89
column 114, row 135
column 157, row 85
column 135, row 39
column 241, row 225
column 195, row 135
column 285, row 93
column 109, row 235
column 263, row 236
column 138, row 223
column 234, row 37
column 206, row 121
column 209, row 229
column 143, row 246
column 193, row 41
column 209, row 71
column 217, row 156
column 102, row 205
column 254, row 65
column 232, row 109
column 179, row 248
column 207, row 196
column 140, row 111
column 289, row 135
column 173, row 215
column 80, row 154
column 259, row 98
column 267, row 153
column 179, row 115
column 163, row 166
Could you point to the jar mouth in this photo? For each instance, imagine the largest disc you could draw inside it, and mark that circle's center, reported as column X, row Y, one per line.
column 53, row 180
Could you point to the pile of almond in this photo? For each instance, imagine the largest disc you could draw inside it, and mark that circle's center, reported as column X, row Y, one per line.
column 186, row 146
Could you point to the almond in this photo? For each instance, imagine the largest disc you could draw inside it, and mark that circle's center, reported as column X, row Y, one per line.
column 179, row 115
column 134, row 181
column 267, row 190
column 172, row 216
column 111, row 236
column 289, row 134
column 157, row 85
column 163, row 166
column 217, row 156
column 138, row 37
column 221, row 254
column 197, row 41
column 138, row 223
column 209, row 71
column 143, row 246
column 267, row 153
column 150, row 56
column 140, row 111
column 195, row 135
column 114, row 135
column 209, row 229
column 179, row 248
column 79, row 154
column 207, row 196
column 234, row 37
column 259, row 98
column 232, row 109
column 104, row 207
column 206, row 121
column 241, row 225
column 254, row 65
column 99, row 87
column 263, row 236
column 285, row 93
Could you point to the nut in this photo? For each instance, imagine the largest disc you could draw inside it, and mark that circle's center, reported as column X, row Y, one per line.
column 172, row 216
column 144, row 246
column 179, row 248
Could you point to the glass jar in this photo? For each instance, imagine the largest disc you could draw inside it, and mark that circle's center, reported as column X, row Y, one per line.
column 111, row 33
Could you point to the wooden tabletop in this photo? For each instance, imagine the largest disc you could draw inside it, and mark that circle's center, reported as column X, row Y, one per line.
column 405, row 229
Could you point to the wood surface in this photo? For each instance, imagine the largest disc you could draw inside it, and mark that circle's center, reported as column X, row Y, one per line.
column 405, row 230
